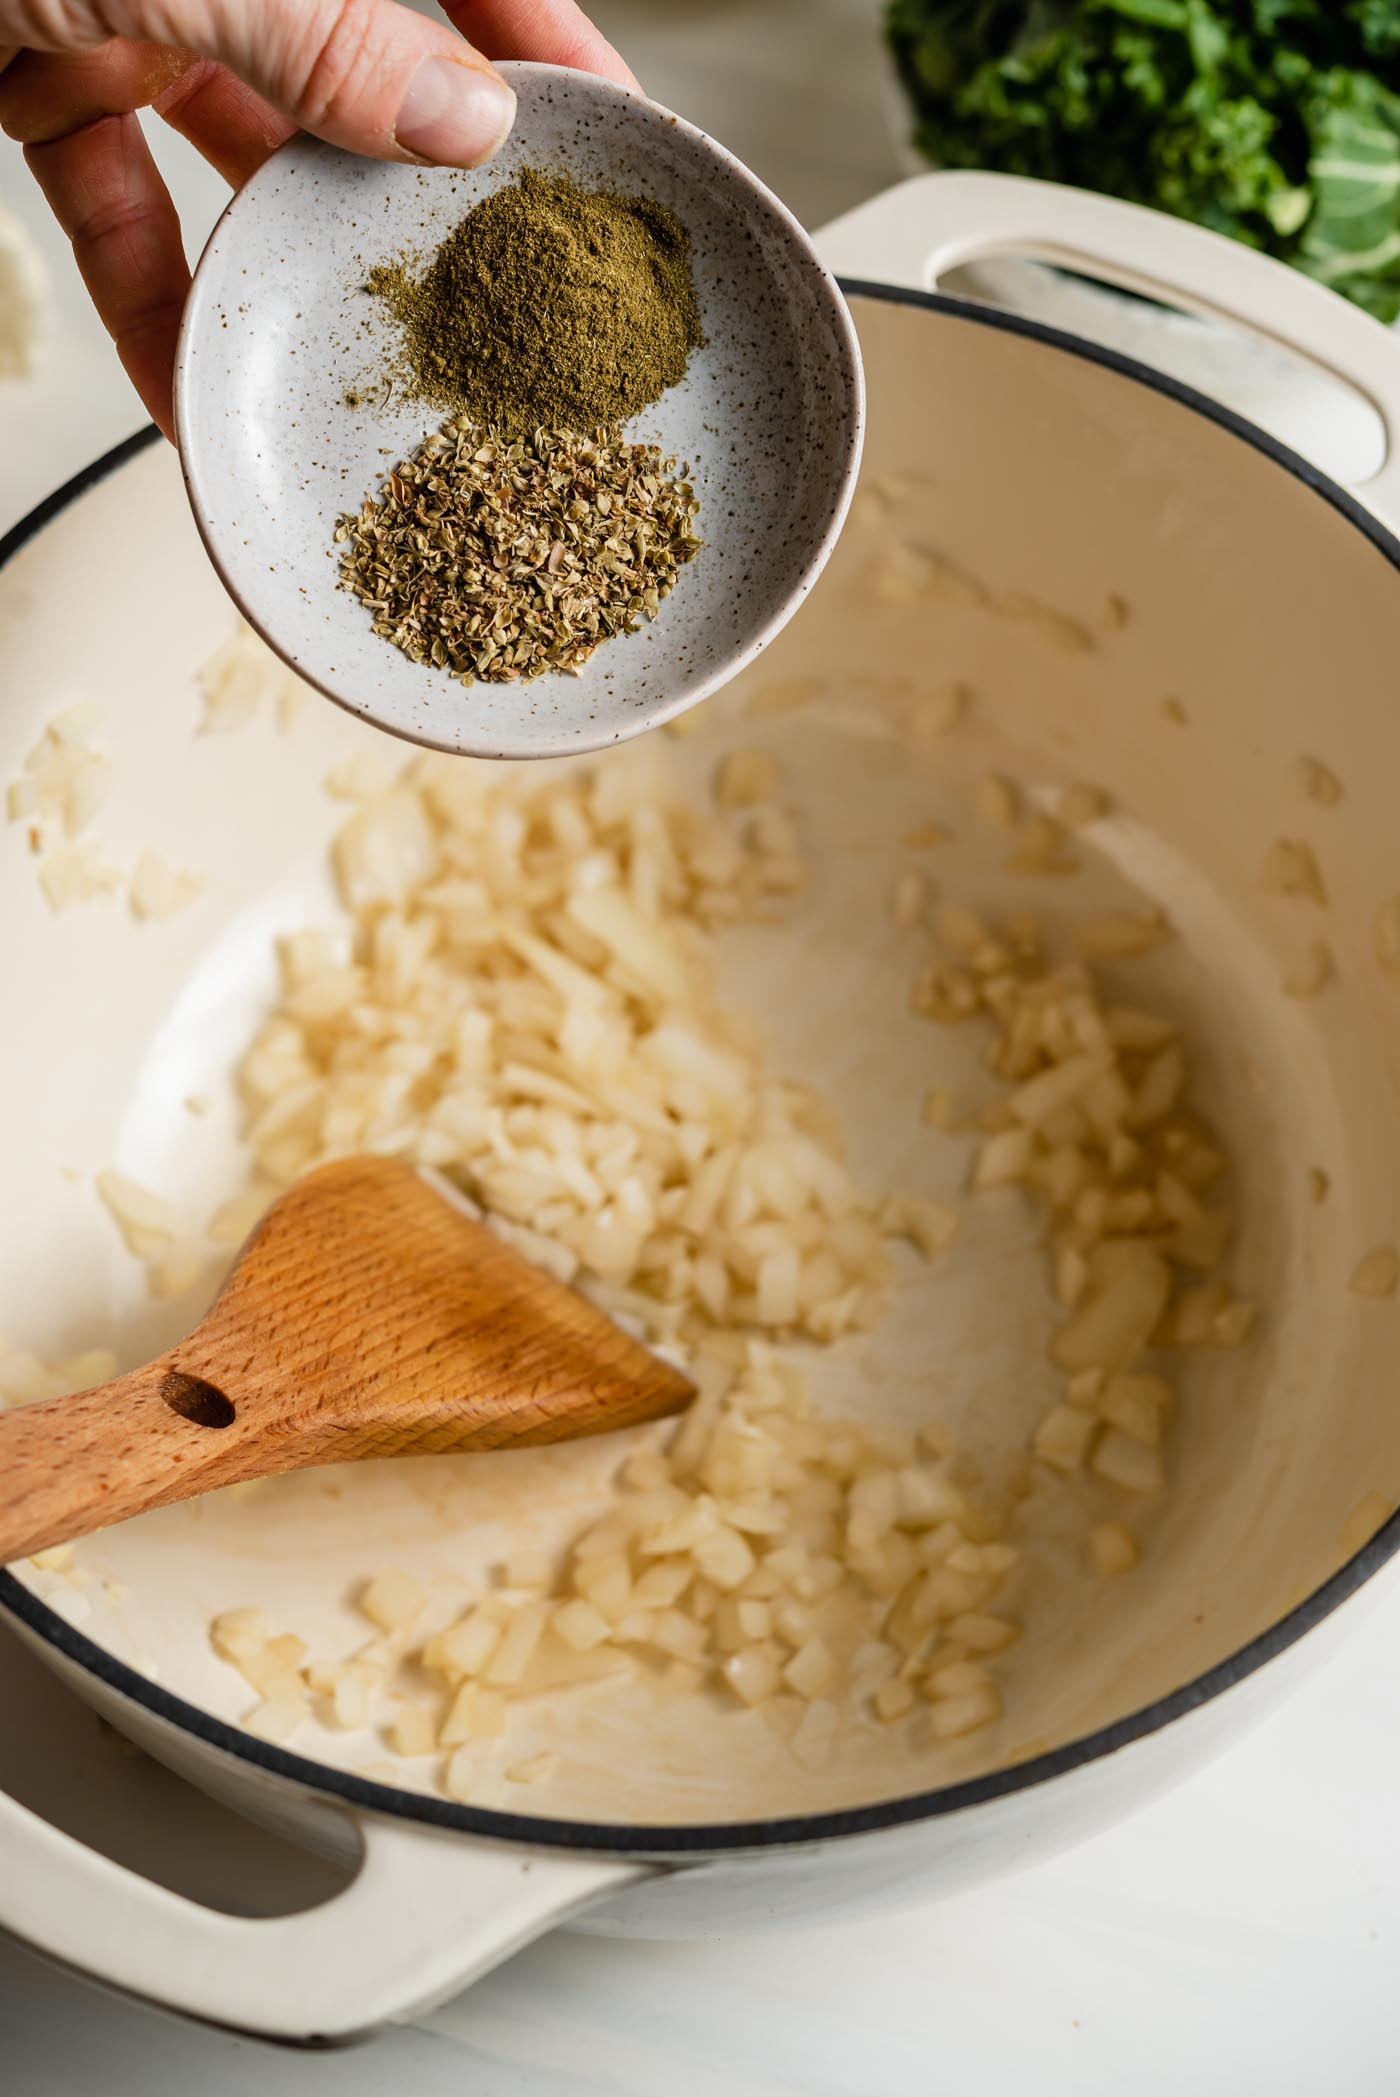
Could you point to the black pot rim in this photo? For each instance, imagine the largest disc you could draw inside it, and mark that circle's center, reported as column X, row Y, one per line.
column 739, row 1836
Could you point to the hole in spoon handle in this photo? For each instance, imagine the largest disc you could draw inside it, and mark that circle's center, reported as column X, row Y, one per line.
column 203, row 1404
column 72, row 1465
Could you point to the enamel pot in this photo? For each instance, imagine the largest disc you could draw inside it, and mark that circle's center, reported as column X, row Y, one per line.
column 1154, row 596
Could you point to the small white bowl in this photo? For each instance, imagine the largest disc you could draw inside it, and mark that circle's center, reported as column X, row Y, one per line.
column 279, row 329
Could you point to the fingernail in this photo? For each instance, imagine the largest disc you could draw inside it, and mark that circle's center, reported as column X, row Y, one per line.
column 454, row 115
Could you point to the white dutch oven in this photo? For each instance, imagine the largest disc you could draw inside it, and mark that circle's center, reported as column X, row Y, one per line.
column 1093, row 541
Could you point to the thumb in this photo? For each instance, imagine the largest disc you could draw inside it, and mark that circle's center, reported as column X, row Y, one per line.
column 365, row 74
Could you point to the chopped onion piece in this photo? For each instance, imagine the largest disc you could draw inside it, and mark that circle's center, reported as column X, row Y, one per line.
column 394, row 1600
column 1113, row 1549
column 745, row 778
column 752, row 1673
column 952, row 1717
column 1063, row 1437
column 239, row 1633
column 516, row 1649
column 476, row 1714
column 1122, row 1308
column 1119, row 1460
column 1376, row 1273
column 1319, row 782
column 277, row 1721
column 534, row 1769
column 1290, row 868
column 811, row 1669
column 893, row 1699
column 413, row 1732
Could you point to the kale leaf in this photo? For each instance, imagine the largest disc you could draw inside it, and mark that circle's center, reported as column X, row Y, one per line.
column 1274, row 121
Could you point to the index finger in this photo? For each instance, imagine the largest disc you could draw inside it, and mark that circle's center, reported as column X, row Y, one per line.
column 223, row 119
column 552, row 32
column 105, row 191
column 48, row 95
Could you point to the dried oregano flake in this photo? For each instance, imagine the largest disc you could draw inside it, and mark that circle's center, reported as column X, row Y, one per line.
column 499, row 558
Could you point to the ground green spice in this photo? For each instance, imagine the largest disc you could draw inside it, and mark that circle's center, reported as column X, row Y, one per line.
column 549, row 307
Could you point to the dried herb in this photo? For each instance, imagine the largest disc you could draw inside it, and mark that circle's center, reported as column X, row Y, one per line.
column 500, row 558
column 549, row 307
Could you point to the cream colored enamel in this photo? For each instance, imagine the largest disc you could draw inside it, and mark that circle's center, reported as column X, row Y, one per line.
column 1248, row 601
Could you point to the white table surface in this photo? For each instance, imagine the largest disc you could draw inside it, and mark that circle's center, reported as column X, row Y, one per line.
column 1238, row 1938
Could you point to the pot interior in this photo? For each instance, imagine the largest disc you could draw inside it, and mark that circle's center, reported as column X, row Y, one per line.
column 1134, row 597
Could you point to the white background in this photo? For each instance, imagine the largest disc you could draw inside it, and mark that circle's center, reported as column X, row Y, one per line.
column 1239, row 1938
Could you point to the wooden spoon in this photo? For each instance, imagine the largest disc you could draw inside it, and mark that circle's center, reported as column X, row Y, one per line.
column 368, row 1315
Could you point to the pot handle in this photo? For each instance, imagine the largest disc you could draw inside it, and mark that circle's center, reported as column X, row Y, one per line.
column 916, row 232
column 426, row 1915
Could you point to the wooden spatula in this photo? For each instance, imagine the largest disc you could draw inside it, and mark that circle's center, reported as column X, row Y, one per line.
column 368, row 1315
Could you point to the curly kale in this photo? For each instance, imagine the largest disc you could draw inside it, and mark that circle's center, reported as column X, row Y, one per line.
column 1275, row 121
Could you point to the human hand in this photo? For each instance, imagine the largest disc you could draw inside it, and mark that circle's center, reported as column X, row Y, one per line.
column 237, row 78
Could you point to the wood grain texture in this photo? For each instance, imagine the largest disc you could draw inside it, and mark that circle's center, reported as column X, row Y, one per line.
column 367, row 1316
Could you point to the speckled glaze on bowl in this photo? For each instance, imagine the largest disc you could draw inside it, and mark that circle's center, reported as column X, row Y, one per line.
column 279, row 329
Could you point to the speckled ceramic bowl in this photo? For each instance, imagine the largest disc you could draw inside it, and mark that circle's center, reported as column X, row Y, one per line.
column 279, row 329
